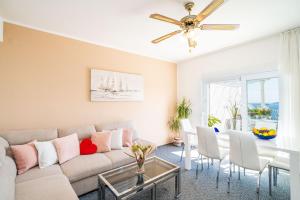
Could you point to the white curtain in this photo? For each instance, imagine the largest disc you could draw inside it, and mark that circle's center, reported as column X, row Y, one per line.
column 289, row 68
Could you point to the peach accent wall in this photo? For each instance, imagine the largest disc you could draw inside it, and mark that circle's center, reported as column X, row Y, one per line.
column 45, row 82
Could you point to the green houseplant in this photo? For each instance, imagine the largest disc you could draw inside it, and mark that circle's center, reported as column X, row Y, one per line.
column 212, row 120
column 183, row 111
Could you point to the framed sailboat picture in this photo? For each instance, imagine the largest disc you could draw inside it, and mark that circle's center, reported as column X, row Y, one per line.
column 116, row 86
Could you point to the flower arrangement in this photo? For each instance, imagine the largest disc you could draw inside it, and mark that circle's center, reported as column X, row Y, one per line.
column 140, row 152
column 234, row 111
column 264, row 133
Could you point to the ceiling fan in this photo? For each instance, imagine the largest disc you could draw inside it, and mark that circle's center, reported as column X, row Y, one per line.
column 190, row 23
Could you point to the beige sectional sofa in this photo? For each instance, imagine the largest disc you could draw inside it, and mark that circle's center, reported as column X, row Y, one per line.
column 57, row 182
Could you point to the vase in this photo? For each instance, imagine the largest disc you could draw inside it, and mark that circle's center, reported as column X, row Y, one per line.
column 140, row 179
column 233, row 120
column 177, row 141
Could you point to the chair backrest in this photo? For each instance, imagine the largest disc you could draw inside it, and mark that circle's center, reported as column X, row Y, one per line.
column 207, row 142
column 186, row 125
column 243, row 150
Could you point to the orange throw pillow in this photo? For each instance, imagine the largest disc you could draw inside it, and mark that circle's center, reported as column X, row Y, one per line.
column 102, row 140
column 25, row 156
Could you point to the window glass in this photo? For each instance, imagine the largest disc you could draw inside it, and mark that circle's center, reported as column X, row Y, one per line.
column 263, row 103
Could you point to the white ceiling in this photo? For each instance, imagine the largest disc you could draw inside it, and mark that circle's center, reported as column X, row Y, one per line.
column 125, row 24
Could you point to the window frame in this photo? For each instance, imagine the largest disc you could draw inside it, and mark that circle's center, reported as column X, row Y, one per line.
column 244, row 94
column 244, row 79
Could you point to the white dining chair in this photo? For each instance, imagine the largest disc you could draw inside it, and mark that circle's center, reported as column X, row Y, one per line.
column 186, row 129
column 281, row 162
column 208, row 147
column 243, row 153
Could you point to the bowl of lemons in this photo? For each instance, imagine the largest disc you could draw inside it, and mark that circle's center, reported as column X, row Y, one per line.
column 264, row 133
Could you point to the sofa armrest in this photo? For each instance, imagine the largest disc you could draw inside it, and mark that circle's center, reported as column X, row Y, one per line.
column 3, row 146
column 3, row 143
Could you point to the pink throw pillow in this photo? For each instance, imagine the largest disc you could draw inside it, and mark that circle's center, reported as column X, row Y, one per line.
column 127, row 137
column 67, row 147
column 25, row 156
column 102, row 140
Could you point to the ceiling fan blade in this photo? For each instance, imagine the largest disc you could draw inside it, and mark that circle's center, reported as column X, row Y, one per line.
column 165, row 37
column 209, row 9
column 165, row 19
column 226, row 27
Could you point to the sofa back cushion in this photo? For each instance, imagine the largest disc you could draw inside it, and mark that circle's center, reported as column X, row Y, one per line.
column 82, row 131
column 7, row 179
column 16, row 137
column 121, row 124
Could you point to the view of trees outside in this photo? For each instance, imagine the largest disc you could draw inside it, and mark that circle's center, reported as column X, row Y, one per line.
column 263, row 103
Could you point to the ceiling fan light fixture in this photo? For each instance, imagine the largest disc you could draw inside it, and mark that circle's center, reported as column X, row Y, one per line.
column 190, row 24
column 190, row 34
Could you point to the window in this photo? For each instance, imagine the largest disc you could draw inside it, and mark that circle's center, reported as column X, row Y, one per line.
column 244, row 103
column 223, row 98
column 263, row 103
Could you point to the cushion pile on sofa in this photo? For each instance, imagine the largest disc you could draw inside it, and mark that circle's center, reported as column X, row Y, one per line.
column 66, row 181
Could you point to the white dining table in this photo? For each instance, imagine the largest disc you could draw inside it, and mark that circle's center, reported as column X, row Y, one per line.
column 286, row 145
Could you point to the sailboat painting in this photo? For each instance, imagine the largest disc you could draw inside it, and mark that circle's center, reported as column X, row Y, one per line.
column 116, row 86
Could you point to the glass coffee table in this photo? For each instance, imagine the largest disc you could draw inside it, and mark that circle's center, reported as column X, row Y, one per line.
column 125, row 183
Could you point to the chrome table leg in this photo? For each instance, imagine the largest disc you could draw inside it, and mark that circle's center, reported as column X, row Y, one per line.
column 177, row 185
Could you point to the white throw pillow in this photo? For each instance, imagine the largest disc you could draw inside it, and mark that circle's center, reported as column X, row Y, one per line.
column 47, row 155
column 116, row 139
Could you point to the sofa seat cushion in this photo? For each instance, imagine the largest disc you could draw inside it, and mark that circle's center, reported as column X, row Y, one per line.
column 84, row 166
column 56, row 187
column 119, row 158
column 36, row 172
column 86, row 185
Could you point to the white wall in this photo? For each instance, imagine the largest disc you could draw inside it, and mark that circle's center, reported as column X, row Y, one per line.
column 253, row 57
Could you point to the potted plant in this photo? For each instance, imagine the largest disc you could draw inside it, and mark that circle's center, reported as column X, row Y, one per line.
column 212, row 120
column 174, row 125
column 183, row 111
